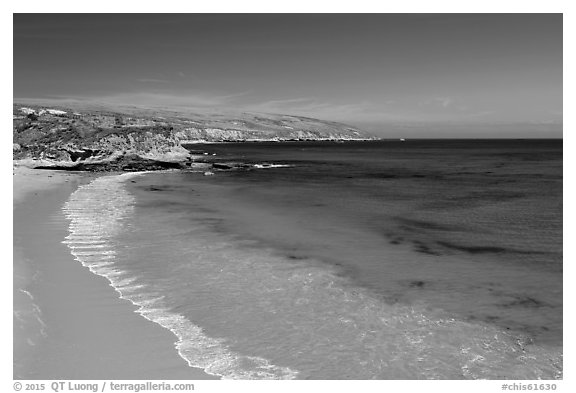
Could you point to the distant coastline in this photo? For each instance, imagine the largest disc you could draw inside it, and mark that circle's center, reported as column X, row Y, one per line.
column 84, row 138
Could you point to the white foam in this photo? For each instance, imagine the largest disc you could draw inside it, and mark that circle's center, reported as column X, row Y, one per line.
column 27, row 111
column 83, row 240
column 96, row 264
column 97, row 258
column 266, row 166
column 97, row 211
column 92, row 253
column 55, row 112
column 84, row 246
column 27, row 294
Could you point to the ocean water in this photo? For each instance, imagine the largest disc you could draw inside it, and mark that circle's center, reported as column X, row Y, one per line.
column 428, row 259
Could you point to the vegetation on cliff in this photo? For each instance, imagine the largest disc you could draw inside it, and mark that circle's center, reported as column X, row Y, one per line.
column 74, row 136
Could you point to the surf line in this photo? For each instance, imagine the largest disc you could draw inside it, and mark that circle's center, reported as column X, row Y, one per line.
column 97, row 212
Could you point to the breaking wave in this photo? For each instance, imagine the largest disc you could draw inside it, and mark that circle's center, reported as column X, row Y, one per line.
column 97, row 212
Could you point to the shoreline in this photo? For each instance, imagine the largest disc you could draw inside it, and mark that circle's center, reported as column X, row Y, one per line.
column 416, row 285
column 68, row 322
column 219, row 205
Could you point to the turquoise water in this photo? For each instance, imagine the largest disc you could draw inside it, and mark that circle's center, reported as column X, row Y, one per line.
column 376, row 260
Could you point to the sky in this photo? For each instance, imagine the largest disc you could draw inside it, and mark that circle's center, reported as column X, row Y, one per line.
column 417, row 75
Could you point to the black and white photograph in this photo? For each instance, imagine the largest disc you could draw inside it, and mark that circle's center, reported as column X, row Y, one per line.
column 287, row 196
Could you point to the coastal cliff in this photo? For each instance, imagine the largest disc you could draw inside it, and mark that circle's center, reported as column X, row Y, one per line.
column 133, row 138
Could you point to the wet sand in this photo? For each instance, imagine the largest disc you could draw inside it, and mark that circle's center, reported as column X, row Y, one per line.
column 68, row 322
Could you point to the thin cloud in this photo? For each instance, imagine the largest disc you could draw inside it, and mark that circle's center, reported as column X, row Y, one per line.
column 445, row 102
column 481, row 114
column 231, row 96
column 291, row 101
column 311, row 107
column 152, row 80
column 160, row 99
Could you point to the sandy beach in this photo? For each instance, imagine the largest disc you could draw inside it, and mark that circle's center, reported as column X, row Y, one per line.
column 68, row 322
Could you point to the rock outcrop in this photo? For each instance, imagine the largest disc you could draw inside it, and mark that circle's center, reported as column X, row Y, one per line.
column 98, row 139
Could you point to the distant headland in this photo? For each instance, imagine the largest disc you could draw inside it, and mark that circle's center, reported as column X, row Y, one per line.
column 100, row 138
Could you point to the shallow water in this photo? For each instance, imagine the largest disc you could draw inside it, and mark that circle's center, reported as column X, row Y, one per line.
column 372, row 260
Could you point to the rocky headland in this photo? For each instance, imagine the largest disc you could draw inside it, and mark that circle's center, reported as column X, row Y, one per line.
column 124, row 139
